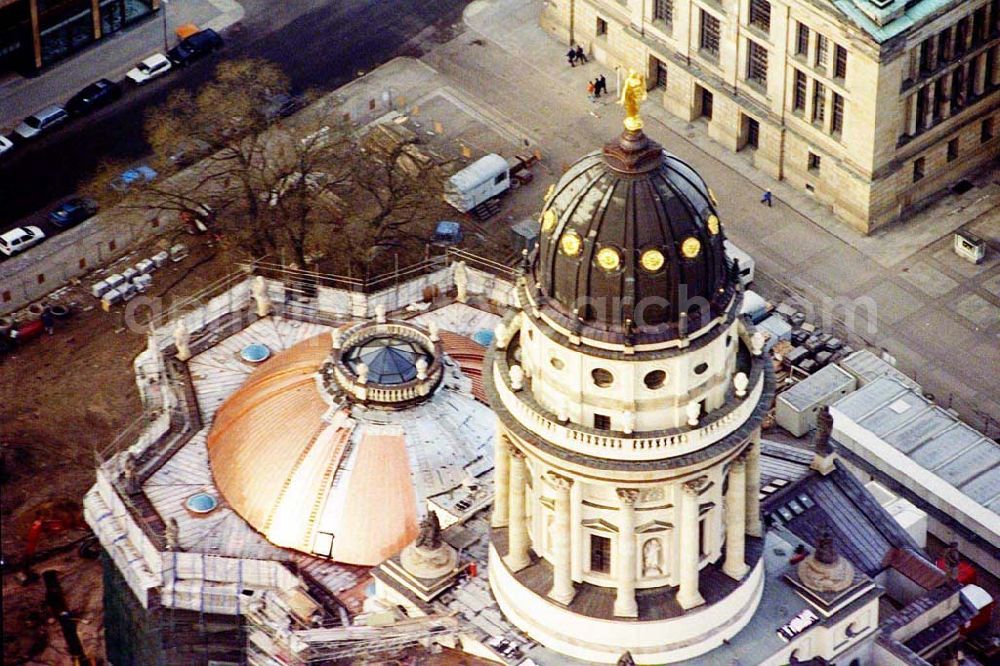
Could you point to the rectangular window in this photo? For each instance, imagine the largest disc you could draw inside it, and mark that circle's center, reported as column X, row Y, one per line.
column 839, row 62
column 953, row 150
column 659, row 73
column 709, row 33
column 814, row 161
column 663, row 10
column 822, row 49
column 707, row 101
column 760, row 14
column 602, row 27
column 918, row 169
column 979, row 26
column 799, row 98
column 837, row 120
column 925, row 55
column 819, row 102
column 752, row 132
column 986, row 130
column 602, row 422
column 961, row 34
column 756, row 63
column 802, row 40
column 994, row 16
column 600, row 554
column 944, row 46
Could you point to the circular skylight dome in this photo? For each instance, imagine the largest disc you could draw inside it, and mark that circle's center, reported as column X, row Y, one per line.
column 390, row 360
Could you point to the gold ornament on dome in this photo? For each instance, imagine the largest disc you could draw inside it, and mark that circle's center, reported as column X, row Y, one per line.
column 549, row 192
column 713, row 224
column 690, row 247
column 548, row 220
column 711, row 197
column 570, row 243
column 651, row 260
column 633, row 94
column 609, row 259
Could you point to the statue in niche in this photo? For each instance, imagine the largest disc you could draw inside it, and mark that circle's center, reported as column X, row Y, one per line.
column 652, row 558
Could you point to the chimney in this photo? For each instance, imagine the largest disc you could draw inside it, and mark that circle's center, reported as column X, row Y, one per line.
column 823, row 455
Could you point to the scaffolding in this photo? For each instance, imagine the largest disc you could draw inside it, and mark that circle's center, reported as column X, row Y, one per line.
column 283, row 631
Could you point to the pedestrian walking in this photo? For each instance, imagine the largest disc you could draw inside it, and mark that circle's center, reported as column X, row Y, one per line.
column 597, row 88
column 591, row 89
column 602, row 85
column 580, row 55
column 766, row 198
column 48, row 321
column 571, row 56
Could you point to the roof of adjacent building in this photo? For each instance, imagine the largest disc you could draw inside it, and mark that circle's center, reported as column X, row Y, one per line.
column 885, row 19
column 862, row 530
column 889, row 425
column 817, row 386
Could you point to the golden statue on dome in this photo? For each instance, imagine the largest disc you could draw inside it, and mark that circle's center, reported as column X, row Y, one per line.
column 632, row 95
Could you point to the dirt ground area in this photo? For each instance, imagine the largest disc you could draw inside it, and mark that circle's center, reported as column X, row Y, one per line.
column 63, row 397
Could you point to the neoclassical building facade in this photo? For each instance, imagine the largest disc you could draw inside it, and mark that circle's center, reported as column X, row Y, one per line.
column 869, row 106
column 629, row 396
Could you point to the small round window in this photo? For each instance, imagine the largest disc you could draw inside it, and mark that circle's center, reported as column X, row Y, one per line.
column 701, row 368
column 557, row 363
column 602, row 377
column 655, row 379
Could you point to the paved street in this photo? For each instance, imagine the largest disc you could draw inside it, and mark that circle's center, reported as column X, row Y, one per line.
column 938, row 315
column 321, row 45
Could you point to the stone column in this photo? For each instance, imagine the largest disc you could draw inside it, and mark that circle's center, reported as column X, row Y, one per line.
column 735, row 565
column 625, row 605
column 688, row 595
column 517, row 531
column 945, row 104
column 754, row 526
column 562, row 563
column 979, row 71
column 929, row 108
column 501, row 480
column 911, row 121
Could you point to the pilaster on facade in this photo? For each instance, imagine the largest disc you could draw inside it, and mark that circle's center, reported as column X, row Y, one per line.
column 735, row 565
column 688, row 595
column 625, row 604
column 754, row 525
column 562, row 537
column 517, row 531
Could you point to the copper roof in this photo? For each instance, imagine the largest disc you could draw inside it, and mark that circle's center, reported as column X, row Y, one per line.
column 265, row 430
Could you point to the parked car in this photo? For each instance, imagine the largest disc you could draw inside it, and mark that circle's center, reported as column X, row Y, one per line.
column 188, row 151
column 43, row 121
column 153, row 66
column 97, row 94
column 20, row 239
column 5, row 144
column 140, row 174
column 73, row 211
column 194, row 47
column 280, row 105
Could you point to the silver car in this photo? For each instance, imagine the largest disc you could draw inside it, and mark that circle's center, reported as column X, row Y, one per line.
column 44, row 120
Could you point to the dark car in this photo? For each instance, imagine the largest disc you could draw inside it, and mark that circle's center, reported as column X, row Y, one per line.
column 197, row 45
column 94, row 96
column 73, row 211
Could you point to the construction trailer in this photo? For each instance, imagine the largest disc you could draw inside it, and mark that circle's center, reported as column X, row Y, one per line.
column 477, row 183
column 796, row 408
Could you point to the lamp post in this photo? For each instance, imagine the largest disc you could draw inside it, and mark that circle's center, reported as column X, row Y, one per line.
column 163, row 11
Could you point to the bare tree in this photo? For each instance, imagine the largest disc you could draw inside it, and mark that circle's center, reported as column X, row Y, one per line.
column 300, row 189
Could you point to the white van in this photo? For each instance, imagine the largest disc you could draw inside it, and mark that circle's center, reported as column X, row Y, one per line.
column 20, row 239
column 746, row 262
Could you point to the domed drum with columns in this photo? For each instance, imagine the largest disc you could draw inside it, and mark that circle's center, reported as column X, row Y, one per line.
column 626, row 515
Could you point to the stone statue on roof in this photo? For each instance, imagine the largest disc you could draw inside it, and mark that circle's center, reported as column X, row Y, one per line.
column 824, row 426
column 430, row 532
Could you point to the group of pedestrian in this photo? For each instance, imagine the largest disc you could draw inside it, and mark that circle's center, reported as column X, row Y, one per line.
column 597, row 86
column 576, row 54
